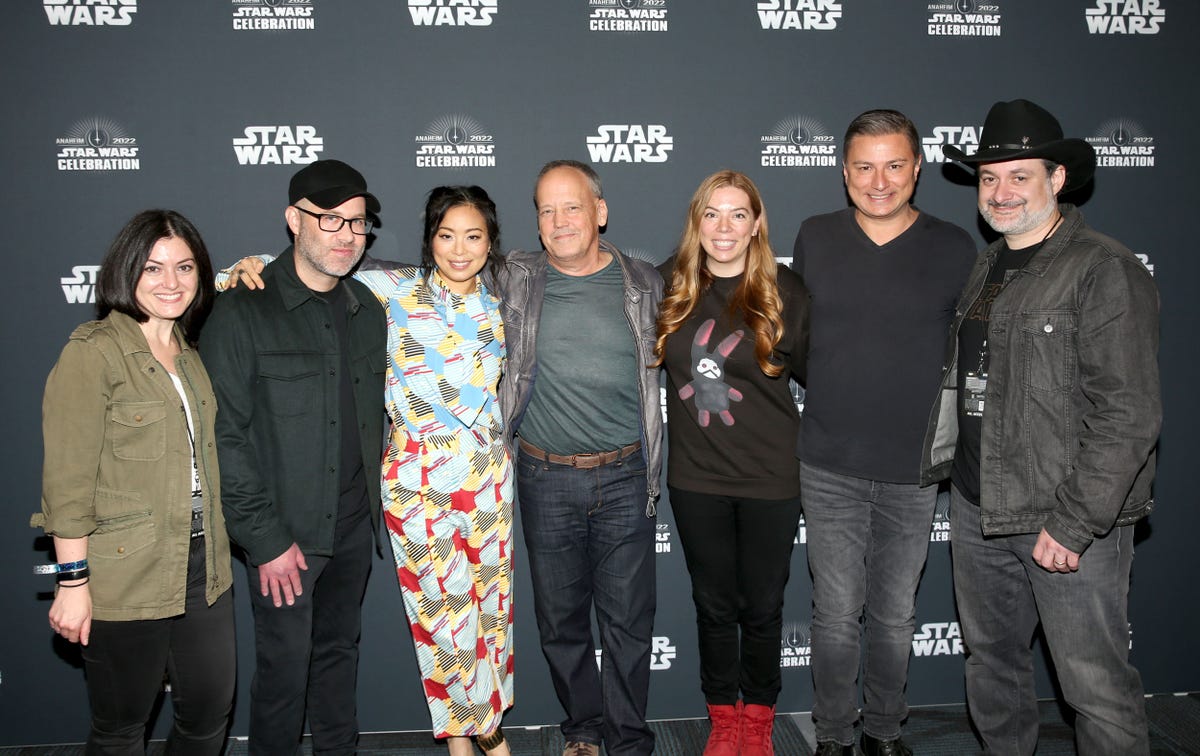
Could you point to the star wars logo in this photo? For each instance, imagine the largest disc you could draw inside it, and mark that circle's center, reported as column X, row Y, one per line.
column 1145, row 261
column 278, row 145
column 966, row 138
column 97, row 145
column 795, row 650
column 273, row 15
column 80, row 286
column 1125, row 17
column 821, row 15
column 90, row 12
column 455, row 141
column 938, row 639
column 798, row 142
column 963, row 18
column 939, row 530
column 630, row 143
column 627, row 15
column 662, row 653
column 1122, row 143
column 452, row 12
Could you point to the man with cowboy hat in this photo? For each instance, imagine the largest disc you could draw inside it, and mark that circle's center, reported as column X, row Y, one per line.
column 1046, row 425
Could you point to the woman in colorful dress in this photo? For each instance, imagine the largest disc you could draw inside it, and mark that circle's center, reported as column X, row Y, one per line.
column 732, row 329
column 447, row 478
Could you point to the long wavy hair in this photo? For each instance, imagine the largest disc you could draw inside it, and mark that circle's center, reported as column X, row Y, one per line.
column 757, row 298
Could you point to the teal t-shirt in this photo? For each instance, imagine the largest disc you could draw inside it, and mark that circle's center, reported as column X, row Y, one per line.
column 585, row 396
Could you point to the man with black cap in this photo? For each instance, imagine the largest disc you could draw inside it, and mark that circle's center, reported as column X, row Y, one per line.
column 298, row 372
column 1046, row 426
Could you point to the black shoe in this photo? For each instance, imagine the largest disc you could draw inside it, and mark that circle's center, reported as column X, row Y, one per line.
column 876, row 747
column 833, row 748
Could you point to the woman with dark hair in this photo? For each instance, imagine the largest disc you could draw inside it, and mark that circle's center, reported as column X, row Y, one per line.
column 447, row 477
column 130, row 495
column 732, row 329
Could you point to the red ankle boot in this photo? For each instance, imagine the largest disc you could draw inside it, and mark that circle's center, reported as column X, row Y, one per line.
column 757, row 724
column 726, row 730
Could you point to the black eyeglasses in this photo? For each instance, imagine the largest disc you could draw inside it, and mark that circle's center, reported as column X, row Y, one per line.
column 330, row 222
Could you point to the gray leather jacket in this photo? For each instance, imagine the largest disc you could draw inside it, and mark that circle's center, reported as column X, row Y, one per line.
column 521, row 283
column 1072, row 410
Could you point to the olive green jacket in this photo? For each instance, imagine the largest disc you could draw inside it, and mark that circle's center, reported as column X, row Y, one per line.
column 118, row 469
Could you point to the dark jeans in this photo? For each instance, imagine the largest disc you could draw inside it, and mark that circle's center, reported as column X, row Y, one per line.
column 739, row 555
column 307, row 653
column 867, row 543
column 125, row 662
column 1002, row 594
column 591, row 544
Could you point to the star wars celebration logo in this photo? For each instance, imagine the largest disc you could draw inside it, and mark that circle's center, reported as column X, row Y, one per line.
column 273, row 15
column 80, row 286
column 966, row 138
column 97, row 144
column 662, row 538
column 798, row 142
column 627, row 15
column 278, row 145
column 963, row 18
column 456, row 141
column 90, row 12
column 938, row 639
column 1125, row 16
column 662, row 653
column 630, row 143
column 1122, row 143
column 795, row 650
column 452, row 12
column 817, row 15
column 939, row 531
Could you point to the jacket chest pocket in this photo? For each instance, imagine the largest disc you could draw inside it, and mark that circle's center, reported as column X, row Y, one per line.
column 1048, row 350
column 139, row 430
column 290, row 383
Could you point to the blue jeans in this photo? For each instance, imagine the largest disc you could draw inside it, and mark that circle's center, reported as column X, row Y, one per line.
column 591, row 544
column 867, row 542
column 1002, row 594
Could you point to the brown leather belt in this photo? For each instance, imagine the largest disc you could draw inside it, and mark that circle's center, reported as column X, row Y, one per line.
column 581, row 461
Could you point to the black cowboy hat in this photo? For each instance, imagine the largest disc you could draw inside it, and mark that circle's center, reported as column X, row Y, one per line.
column 1019, row 130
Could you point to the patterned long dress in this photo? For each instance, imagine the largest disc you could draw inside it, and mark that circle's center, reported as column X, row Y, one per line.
column 447, row 492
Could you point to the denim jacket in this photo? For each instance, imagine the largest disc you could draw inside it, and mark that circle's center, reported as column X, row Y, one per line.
column 1072, row 407
column 521, row 283
column 118, row 469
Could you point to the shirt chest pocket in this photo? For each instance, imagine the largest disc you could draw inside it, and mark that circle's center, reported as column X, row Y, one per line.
column 1048, row 350
column 139, row 430
column 290, row 383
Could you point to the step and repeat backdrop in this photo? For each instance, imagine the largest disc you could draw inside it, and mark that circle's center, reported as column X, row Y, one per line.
column 208, row 107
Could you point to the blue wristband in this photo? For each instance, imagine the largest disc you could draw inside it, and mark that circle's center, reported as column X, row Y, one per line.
column 51, row 569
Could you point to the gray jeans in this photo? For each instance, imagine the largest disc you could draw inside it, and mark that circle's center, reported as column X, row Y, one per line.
column 867, row 542
column 1002, row 594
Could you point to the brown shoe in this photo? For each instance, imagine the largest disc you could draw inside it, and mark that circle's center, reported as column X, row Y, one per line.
column 580, row 748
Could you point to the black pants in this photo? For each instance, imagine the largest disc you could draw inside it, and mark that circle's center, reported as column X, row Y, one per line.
column 125, row 662
column 307, row 653
column 739, row 554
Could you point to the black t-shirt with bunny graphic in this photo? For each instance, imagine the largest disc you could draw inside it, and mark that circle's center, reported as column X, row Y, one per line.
column 731, row 429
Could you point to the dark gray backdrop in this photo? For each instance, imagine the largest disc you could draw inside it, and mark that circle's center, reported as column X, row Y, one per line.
column 180, row 90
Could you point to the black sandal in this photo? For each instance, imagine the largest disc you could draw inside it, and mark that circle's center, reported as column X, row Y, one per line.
column 488, row 742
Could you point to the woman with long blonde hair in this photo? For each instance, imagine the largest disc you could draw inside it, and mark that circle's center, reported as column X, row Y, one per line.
column 732, row 329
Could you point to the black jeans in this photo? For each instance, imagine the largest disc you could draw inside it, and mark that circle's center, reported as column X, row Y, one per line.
column 307, row 653
column 125, row 662
column 739, row 554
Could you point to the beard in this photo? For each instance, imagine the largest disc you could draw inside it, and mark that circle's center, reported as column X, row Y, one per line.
column 1023, row 222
